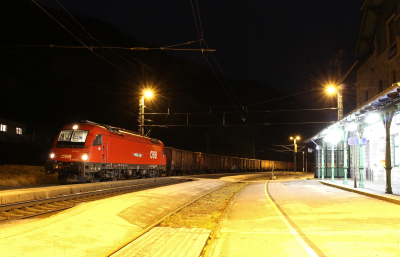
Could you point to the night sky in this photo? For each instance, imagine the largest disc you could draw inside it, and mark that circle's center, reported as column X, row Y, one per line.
column 283, row 45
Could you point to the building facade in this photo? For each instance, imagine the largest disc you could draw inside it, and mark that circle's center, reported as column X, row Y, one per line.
column 11, row 131
column 378, row 45
column 366, row 142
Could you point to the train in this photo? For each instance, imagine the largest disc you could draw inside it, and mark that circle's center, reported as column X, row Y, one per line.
column 188, row 162
column 92, row 152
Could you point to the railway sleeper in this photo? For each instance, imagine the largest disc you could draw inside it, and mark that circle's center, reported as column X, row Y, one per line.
column 34, row 210
column 21, row 212
column 49, row 206
column 40, row 207
column 61, row 204
column 10, row 215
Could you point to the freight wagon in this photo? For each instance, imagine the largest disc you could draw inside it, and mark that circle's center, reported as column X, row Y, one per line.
column 181, row 161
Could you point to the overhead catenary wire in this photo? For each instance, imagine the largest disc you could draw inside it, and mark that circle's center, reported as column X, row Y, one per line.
column 64, row 73
column 54, row 83
column 88, row 47
column 134, row 48
column 283, row 97
column 91, row 37
column 203, row 40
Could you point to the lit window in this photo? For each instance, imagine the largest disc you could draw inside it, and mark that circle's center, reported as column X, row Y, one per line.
column 19, row 131
column 396, row 150
column 3, row 128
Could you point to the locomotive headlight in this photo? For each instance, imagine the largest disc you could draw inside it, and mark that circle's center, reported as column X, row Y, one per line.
column 84, row 157
column 51, row 155
column 75, row 127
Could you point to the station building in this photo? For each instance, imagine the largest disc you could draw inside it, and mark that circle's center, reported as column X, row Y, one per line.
column 11, row 131
column 366, row 143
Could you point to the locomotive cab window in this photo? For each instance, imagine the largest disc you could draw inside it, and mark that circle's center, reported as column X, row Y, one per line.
column 97, row 140
column 72, row 138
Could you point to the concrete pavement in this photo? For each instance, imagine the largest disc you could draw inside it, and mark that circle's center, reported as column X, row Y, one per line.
column 253, row 228
column 95, row 228
column 332, row 222
column 34, row 193
column 375, row 189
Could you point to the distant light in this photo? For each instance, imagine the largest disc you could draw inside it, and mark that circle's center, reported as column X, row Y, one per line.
column 351, row 127
column 333, row 136
column 372, row 118
column 51, row 155
column 331, row 89
column 291, row 138
column 84, row 157
column 297, row 137
column 75, row 127
column 148, row 94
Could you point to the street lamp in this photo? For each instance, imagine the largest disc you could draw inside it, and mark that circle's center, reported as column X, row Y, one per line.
column 294, row 150
column 147, row 94
column 331, row 89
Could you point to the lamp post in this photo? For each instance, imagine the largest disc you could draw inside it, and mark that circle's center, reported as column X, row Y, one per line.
column 338, row 89
column 147, row 94
column 294, row 150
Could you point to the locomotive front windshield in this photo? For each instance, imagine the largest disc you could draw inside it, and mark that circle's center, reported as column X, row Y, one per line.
column 72, row 138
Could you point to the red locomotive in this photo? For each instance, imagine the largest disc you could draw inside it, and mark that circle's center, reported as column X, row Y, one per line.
column 92, row 152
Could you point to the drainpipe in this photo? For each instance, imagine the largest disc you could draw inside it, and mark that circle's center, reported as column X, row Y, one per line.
column 333, row 162
column 361, row 155
column 322, row 160
column 345, row 156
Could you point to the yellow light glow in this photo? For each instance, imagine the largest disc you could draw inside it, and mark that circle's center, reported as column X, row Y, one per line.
column 331, row 89
column 75, row 127
column 297, row 137
column 291, row 138
column 148, row 94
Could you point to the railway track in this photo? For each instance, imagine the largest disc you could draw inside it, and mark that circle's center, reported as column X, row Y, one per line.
column 119, row 252
column 28, row 209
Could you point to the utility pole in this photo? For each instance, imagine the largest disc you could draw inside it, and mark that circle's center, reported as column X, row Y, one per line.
column 147, row 94
column 141, row 115
column 254, row 153
column 306, row 161
column 337, row 61
column 294, row 151
column 207, row 143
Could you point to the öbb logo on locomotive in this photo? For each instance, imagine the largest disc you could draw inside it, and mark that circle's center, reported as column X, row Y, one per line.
column 153, row 154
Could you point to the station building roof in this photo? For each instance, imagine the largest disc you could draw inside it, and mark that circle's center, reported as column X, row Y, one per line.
column 378, row 104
